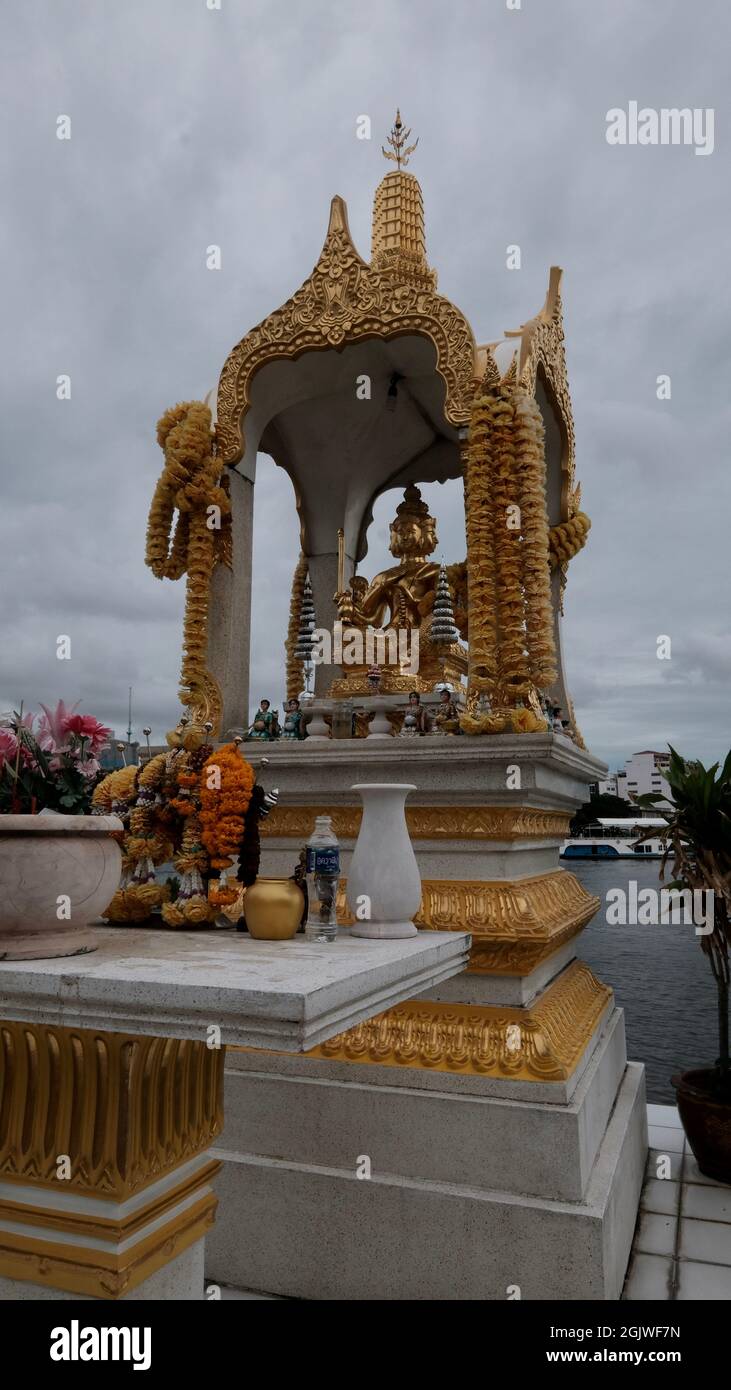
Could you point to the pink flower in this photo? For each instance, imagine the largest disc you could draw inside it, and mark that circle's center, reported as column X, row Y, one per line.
column 89, row 768
column 8, row 746
column 87, row 727
column 53, row 727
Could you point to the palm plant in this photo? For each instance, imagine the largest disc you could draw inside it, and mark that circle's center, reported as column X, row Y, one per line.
column 698, row 841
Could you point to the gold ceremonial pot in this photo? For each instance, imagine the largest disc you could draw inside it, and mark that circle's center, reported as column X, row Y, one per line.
column 273, row 909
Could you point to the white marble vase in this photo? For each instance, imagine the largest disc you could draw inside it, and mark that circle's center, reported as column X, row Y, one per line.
column 57, row 874
column 383, row 879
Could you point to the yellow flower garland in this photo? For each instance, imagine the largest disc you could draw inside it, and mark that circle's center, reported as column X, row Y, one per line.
column 530, row 457
column 480, row 548
column 295, row 668
column 190, row 484
column 511, row 641
column 568, row 538
column 513, row 680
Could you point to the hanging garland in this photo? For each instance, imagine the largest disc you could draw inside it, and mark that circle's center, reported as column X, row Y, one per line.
column 480, row 548
column 513, row 682
column 147, row 842
column 190, row 485
column 295, row 668
column 225, row 787
column 531, row 466
column 191, row 907
column 568, row 538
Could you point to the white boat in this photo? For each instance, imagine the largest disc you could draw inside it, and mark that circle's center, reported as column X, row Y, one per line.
column 615, row 839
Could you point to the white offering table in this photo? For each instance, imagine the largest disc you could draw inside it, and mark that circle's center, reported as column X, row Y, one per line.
column 111, row 1088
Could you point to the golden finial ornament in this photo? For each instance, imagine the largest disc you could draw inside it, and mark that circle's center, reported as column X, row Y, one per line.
column 397, row 140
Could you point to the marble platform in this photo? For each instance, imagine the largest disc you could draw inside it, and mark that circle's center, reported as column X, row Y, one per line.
column 111, row 1085
column 282, row 994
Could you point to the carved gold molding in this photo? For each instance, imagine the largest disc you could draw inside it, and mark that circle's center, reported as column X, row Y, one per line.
column 345, row 301
column 96, row 1273
column 542, row 351
column 428, row 822
column 515, row 925
column 544, row 1042
column 76, row 1223
column 124, row 1109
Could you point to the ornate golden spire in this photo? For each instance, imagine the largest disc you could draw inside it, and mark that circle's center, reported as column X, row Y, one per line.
column 397, row 139
column 398, row 246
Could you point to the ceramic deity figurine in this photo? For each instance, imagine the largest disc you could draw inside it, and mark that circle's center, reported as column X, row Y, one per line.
column 294, row 726
column 446, row 719
column 265, row 725
column 415, row 718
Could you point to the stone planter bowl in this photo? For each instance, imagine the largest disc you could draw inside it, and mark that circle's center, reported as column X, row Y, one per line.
column 57, row 874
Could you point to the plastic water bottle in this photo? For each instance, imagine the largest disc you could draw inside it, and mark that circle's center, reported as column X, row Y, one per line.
column 323, row 875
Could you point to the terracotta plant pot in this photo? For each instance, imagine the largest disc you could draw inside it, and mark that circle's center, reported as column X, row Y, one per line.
column 273, row 909
column 57, row 874
column 706, row 1121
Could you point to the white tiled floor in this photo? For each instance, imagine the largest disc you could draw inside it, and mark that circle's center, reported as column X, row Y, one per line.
column 682, row 1245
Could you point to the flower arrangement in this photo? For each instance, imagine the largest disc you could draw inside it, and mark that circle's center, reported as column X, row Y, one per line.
column 199, row 806
column 49, row 761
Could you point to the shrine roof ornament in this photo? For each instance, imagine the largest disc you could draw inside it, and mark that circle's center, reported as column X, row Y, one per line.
column 397, row 140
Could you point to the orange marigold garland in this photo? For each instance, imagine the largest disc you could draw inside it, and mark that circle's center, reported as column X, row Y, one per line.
column 226, row 784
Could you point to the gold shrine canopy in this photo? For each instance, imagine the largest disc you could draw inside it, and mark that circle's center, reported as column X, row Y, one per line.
column 310, row 385
column 366, row 379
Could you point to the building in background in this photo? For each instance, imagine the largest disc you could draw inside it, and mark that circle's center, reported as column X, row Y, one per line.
column 643, row 773
column 110, row 757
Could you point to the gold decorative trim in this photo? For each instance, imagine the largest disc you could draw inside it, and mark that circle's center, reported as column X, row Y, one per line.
column 541, row 350
column 515, row 925
column 125, row 1109
column 344, row 301
column 98, row 1274
column 428, row 822
column 544, row 1042
column 78, row 1224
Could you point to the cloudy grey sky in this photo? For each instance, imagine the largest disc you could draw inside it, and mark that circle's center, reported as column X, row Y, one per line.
column 235, row 126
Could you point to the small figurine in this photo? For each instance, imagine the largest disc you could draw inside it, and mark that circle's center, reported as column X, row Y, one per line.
column 265, row 725
column 557, row 723
column 446, row 719
column 415, row 718
column 294, row 727
column 374, row 678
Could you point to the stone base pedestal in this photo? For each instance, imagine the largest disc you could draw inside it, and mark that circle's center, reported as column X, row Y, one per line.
column 484, row 1137
column 469, row 1193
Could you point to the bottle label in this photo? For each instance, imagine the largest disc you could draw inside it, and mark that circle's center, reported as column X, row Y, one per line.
column 323, row 859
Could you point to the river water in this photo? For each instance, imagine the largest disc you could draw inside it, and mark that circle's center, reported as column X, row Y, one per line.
column 660, row 977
